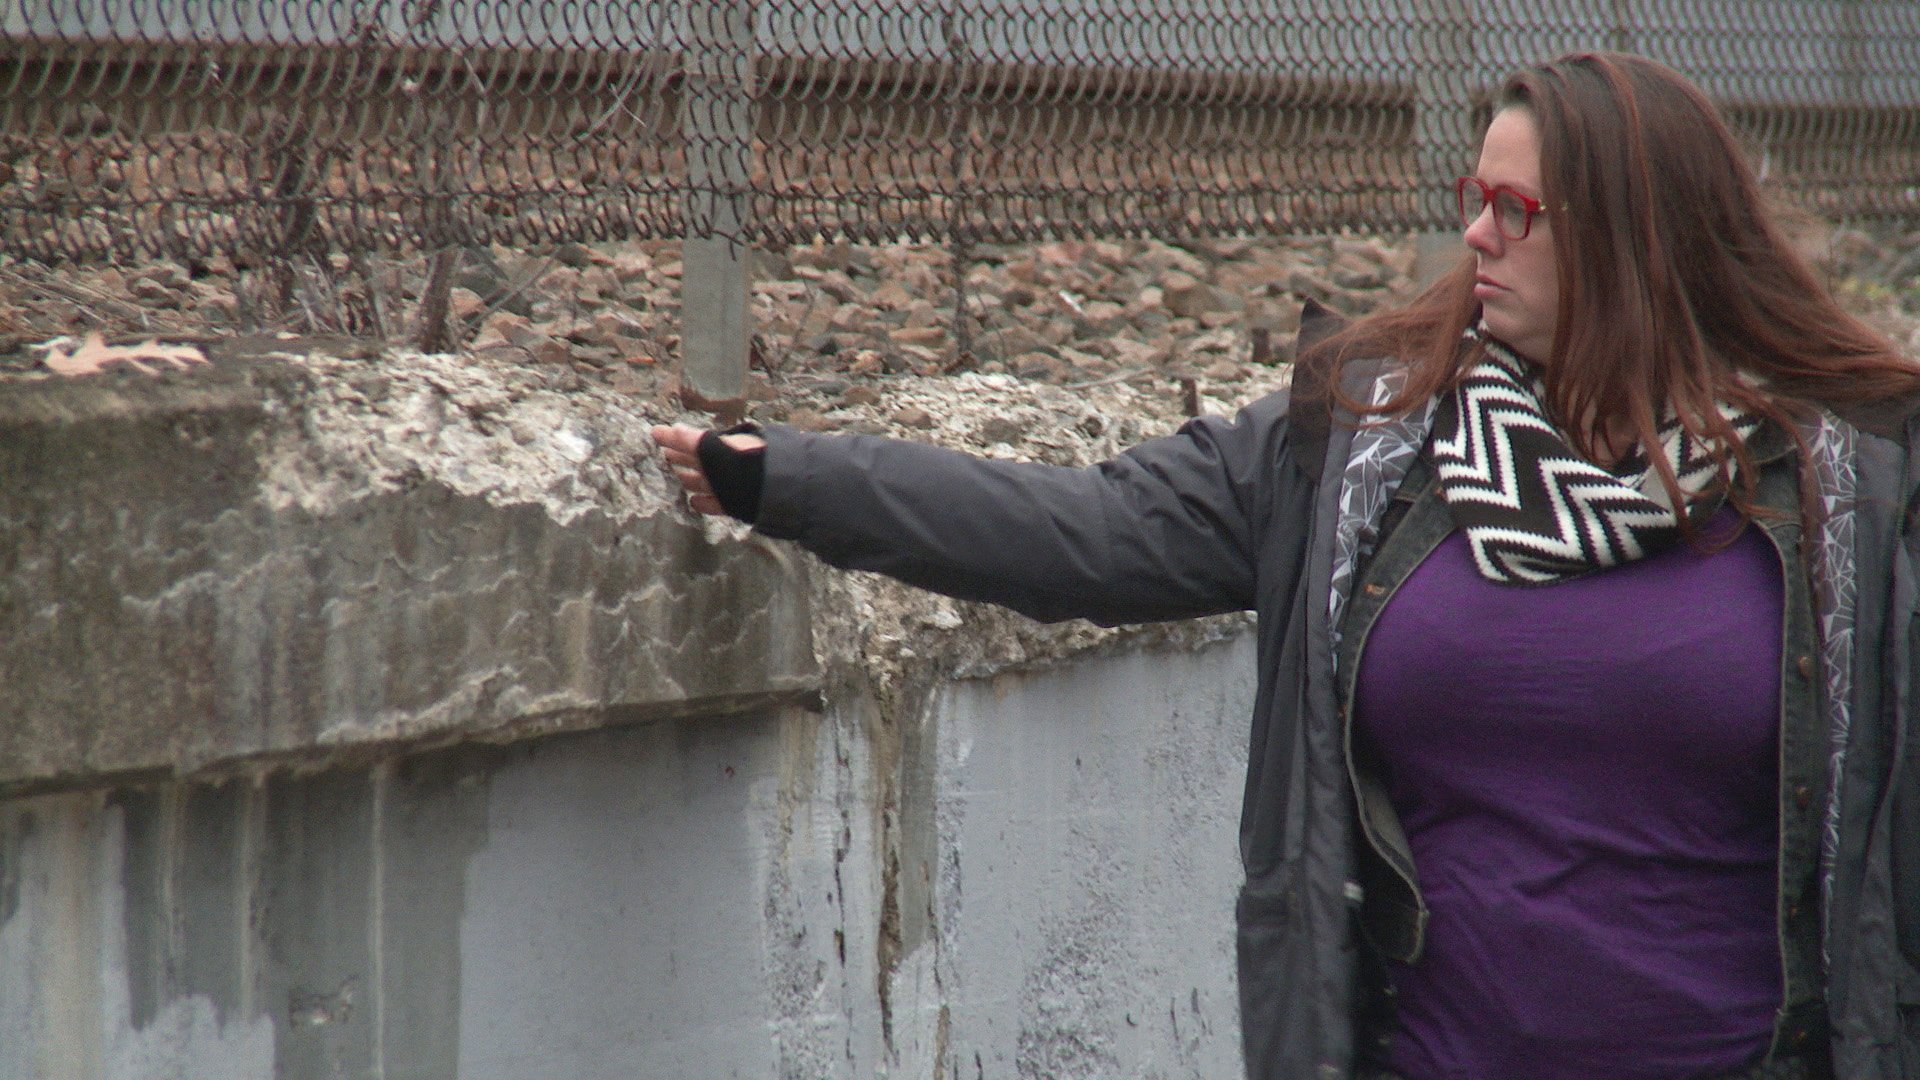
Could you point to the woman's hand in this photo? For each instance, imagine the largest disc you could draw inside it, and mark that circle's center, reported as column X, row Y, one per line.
column 681, row 445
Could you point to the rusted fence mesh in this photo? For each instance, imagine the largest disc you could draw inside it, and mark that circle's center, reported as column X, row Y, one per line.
column 181, row 128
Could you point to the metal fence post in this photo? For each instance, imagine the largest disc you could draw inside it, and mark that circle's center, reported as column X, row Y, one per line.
column 955, row 27
column 717, row 120
column 1444, row 64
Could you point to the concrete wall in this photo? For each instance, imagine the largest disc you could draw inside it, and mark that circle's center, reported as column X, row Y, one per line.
column 275, row 557
column 1035, row 880
column 394, row 721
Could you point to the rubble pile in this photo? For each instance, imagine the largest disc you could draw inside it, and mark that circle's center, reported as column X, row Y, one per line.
column 1064, row 352
column 1068, row 352
column 1064, row 312
column 829, row 317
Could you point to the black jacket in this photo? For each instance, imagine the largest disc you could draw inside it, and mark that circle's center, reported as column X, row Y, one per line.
column 1230, row 515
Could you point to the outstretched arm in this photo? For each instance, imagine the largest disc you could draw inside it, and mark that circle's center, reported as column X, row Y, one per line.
column 1170, row 529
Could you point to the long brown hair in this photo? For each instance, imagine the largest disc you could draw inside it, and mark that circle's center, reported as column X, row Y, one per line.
column 1677, row 287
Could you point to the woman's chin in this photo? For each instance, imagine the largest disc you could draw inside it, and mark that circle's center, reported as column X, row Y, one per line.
column 1525, row 341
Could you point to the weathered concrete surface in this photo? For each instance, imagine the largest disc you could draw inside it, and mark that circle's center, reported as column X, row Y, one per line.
column 1045, row 892
column 283, row 556
column 317, row 675
column 271, row 556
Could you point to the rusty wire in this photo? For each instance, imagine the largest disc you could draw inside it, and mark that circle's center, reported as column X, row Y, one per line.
column 183, row 128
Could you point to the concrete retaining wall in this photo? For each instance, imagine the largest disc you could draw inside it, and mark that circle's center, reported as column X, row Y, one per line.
column 329, row 753
column 1049, row 896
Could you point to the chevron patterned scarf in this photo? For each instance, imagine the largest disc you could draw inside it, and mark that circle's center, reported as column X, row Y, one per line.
column 1534, row 511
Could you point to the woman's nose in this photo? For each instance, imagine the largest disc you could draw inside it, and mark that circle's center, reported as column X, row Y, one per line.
column 1482, row 236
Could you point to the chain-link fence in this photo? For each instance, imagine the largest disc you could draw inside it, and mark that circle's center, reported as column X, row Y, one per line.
column 179, row 128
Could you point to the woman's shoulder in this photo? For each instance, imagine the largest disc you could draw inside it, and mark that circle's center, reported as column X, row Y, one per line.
column 1895, row 419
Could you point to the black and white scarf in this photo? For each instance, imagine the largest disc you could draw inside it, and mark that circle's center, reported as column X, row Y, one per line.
column 1533, row 510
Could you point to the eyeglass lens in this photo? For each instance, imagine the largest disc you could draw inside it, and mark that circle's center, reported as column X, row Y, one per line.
column 1509, row 211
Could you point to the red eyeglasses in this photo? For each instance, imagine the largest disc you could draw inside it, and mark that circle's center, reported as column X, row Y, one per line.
column 1513, row 213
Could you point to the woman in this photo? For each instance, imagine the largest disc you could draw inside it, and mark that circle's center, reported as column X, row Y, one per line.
column 1548, row 779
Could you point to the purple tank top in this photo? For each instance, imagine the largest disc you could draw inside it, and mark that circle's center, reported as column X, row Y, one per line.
column 1587, row 776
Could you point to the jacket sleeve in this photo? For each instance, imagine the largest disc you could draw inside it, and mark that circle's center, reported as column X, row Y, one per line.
column 1169, row 529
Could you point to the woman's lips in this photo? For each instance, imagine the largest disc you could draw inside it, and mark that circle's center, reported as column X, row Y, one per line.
column 1487, row 288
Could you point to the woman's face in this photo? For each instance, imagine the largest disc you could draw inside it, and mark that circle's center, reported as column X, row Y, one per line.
column 1517, row 285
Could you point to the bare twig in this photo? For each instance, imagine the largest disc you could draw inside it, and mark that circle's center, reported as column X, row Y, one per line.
column 304, row 296
column 506, row 298
column 79, row 294
column 376, row 320
column 649, row 68
column 434, row 301
column 1124, row 376
column 961, row 255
